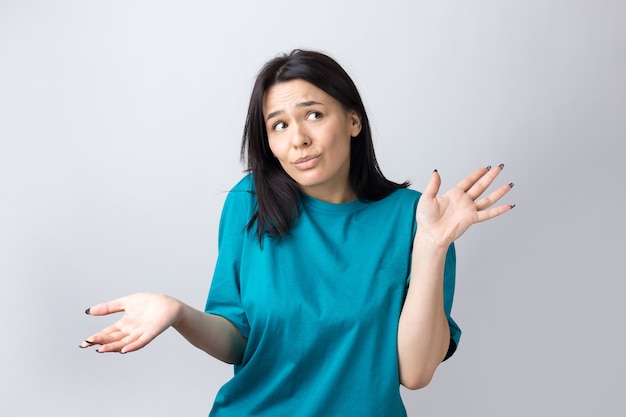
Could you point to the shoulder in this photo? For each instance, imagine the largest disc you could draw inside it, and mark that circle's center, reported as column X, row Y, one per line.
column 243, row 190
column 403, row 196
column 400, row 203
column 237, row 211
column 242, row 197
column 244, row 184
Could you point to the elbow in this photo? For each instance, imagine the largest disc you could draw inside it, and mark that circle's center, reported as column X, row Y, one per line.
column 416, row 374
column 417, row 381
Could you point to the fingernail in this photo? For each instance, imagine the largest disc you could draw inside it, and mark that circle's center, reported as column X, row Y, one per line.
column 488, row 167
column 511, row 184
column 88, row 311
column 512, row 205
column 501, row 166
column 99, row 351
column 89, row 344
column 122, row 352
column 434, row 170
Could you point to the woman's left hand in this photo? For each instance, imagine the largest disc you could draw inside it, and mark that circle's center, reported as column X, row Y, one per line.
column 443, row 219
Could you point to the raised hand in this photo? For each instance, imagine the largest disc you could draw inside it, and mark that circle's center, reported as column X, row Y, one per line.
column 146, row 315
column 443, row 219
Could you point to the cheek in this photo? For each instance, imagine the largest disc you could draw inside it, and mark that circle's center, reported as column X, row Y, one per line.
column 278, row 149
column 272, row 146
column 342, row 143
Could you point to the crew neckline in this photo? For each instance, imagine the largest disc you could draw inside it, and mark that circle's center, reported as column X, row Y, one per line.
column 314, row 203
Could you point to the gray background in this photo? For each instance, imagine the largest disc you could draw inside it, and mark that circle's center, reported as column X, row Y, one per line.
column 120, row 124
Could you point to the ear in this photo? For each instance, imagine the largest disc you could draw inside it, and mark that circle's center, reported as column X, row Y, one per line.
column 355, row 123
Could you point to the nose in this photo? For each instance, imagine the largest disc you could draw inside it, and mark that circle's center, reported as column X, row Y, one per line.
column 301, row 136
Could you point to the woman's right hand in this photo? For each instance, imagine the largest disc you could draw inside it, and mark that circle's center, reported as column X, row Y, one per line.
column 146, row 315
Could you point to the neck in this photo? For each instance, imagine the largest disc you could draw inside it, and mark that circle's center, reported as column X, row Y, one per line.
column 331, row 196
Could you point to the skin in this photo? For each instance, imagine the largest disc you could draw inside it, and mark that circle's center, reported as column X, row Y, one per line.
column 304, row 122
column 147, row 315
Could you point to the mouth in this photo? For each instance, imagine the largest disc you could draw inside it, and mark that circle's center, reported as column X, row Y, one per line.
column 306, row 162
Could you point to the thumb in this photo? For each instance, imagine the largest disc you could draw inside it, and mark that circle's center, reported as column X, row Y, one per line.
column 108, row 307
column 432, row 188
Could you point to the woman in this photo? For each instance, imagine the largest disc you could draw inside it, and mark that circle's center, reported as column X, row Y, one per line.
column 333, row 286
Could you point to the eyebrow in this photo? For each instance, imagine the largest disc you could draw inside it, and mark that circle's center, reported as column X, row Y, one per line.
column 298, row 105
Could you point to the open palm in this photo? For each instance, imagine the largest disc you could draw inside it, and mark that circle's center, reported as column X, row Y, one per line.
column 445, row 218
column 146, row 315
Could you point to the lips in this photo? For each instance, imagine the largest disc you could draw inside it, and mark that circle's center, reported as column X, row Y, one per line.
column 306, row 162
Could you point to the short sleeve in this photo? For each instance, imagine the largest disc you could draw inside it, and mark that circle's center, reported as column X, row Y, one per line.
column 449, row 278
column 224, row 296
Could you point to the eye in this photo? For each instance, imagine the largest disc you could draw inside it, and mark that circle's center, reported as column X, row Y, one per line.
column 314, row 115
column 278, row 126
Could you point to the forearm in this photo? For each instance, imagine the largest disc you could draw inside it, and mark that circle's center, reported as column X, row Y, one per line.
column 423, row 330
column 213, row 334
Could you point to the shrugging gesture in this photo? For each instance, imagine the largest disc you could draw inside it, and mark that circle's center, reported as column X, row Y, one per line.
column 307, row 132
column 445, row 218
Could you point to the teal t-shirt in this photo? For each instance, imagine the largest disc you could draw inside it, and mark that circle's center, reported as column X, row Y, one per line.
column 319, row 307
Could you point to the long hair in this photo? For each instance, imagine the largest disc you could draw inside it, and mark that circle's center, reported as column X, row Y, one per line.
column 278, row 195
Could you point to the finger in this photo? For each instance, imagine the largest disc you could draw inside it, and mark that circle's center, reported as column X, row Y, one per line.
column 493, row 212
column 140, row 342
column 432, row 188
column 109, row 307
column 484, row 182
column 146, row 336
column 102, row 338
column 119, row 345
column 472, row 178
column 493, row 198
column 86, row 343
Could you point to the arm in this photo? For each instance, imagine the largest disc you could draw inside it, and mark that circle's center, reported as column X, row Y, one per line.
column 147, row 315
column 423, row 330
column 213, row 334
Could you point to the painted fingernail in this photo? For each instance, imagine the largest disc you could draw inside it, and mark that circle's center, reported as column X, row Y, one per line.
column 501, row 166
column 122, row 352
column 488, row 167
column 88, row 311
column 512, row 205
column 90, row 342
column 82, row 347
column 435, row 170
column 511, row 184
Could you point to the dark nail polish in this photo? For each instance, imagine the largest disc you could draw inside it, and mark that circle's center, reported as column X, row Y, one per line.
column 501, row 166
column 512, row 205
column 90, row 342
column 511, row 184
column 82, row 347
column 88, row 311
column 434, row 170
column 488, row 167
column 123, row 353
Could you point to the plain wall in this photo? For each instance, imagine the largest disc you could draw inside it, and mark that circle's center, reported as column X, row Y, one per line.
column 120, row 125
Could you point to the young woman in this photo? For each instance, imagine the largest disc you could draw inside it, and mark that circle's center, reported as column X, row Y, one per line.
column 333, row 285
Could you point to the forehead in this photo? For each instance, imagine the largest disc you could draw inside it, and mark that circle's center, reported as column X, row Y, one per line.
column 288, row 94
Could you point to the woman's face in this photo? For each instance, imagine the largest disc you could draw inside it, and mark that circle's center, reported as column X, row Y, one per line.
column 309, row 133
